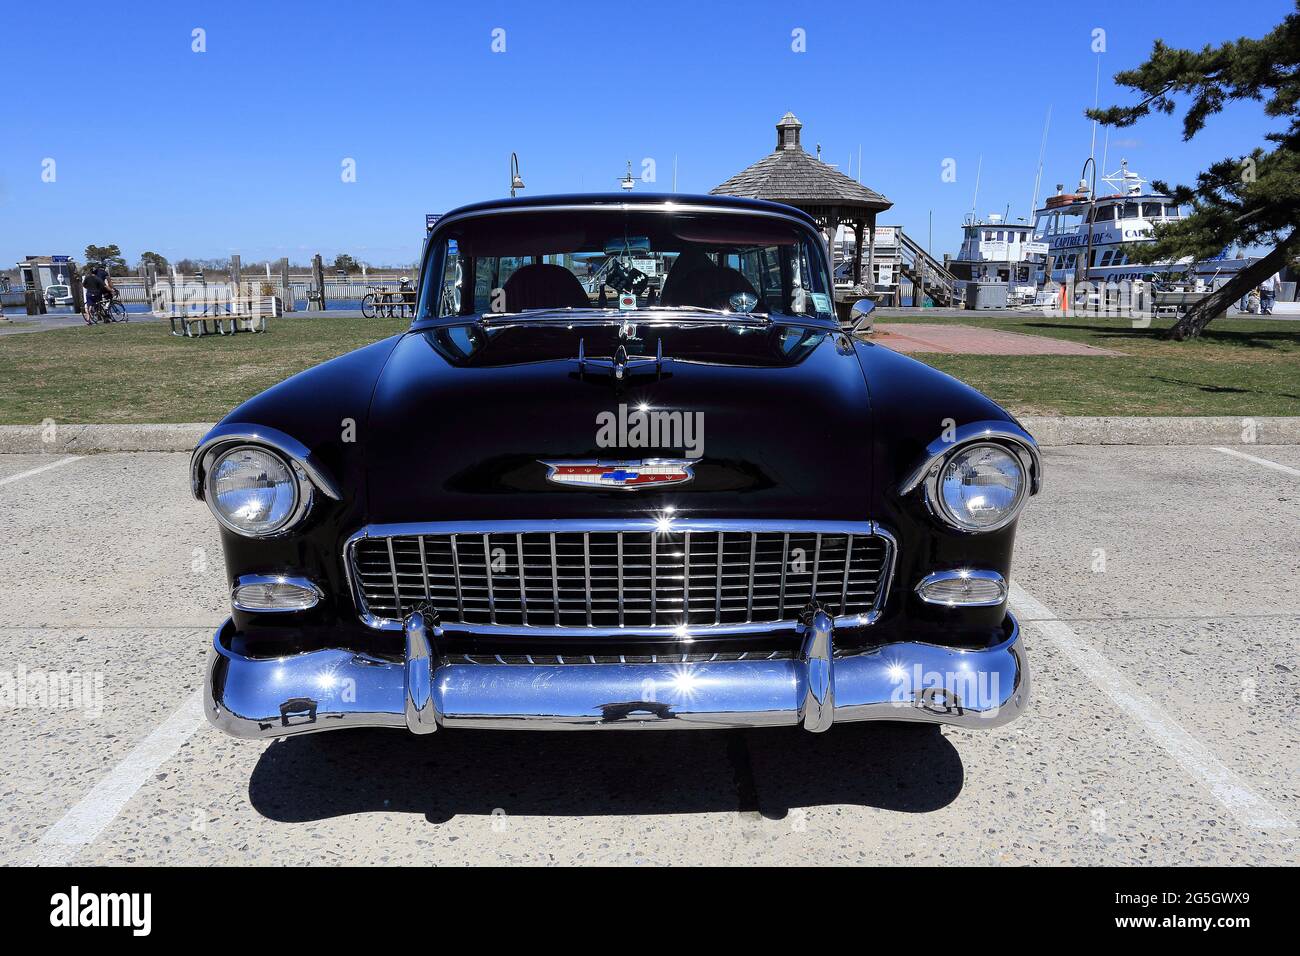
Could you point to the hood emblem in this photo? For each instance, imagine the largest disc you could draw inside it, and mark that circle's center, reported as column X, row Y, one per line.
column 620, row 364
column 628, row 475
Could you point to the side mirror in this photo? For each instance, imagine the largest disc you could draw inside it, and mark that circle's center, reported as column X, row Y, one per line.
column 860, row 315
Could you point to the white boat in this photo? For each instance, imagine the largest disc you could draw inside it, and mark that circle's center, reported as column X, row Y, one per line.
column 1069, row 223
column 993, row 250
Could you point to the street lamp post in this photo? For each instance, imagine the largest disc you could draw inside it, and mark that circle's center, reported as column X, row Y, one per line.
column 1091, row 190
column 515, row 181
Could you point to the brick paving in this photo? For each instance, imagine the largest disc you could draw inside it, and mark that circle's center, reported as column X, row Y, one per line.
column 968, row 340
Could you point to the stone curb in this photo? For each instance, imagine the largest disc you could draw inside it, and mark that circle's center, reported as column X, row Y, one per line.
column 94, row 439
column 1169, row 430
column 1049, row 430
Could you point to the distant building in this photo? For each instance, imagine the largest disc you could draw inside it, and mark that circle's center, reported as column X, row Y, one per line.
column 790, row 175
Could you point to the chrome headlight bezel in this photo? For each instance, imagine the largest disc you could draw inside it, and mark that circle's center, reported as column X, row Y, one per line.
column 934, row 498
column 302, row 488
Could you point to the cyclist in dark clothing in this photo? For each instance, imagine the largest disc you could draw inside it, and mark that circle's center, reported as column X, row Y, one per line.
column 98, row 287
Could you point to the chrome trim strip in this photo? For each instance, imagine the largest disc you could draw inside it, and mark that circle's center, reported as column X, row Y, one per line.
column 785, row 563
column 753, row 554
column 487, row 569
column 553, row 526
column 237, row 433
column 696, row 632
column 523, row 573
column 817, row 566
column 424, row 570
column 848, row 566
column 392, row 570
column 555, row 583
column 245, row 580
column 455, row 563
column 963, row 574
column 686, row 579
column 717, row 582
column 654, row 576
column 664, row 525
column 586, row 569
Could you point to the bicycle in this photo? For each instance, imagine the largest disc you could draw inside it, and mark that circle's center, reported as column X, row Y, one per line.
column 107, row 310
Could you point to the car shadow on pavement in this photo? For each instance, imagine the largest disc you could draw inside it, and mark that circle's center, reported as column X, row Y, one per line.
column 903, row 767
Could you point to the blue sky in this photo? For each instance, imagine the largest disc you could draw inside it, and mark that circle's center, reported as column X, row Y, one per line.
column 241, row 148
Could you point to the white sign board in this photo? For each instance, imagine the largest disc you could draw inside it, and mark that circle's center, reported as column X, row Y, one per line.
column 885, row 273
column 1035, row 248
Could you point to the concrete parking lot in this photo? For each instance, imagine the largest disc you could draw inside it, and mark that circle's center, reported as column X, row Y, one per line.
column 1157, row 586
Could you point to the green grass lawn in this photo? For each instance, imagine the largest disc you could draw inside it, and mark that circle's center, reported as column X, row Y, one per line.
column 1237, row 367
column 137, row 372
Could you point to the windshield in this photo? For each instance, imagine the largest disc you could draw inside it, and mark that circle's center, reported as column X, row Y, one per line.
column 618, row 259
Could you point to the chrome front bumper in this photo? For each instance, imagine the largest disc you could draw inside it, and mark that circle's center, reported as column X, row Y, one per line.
column 337, row 689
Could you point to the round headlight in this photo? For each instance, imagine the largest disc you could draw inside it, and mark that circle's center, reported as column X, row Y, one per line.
column 981, row 487
column 253, row 491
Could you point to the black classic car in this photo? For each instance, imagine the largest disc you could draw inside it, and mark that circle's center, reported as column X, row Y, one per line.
column 626, row 469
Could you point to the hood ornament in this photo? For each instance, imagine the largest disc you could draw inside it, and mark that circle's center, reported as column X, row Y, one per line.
column 620, row 364
column 625, row 475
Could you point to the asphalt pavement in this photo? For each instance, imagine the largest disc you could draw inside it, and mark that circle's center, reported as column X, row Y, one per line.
column 1157, row 588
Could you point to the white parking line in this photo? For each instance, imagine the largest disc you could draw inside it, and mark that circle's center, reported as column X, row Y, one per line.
column 1285, row 469
column 80, row 826
column 1230, row 790
column 36, row 471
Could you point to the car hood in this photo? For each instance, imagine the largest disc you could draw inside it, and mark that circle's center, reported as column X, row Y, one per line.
column 774, row 419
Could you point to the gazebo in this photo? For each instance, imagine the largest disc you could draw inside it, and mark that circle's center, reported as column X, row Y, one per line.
column 789, row 175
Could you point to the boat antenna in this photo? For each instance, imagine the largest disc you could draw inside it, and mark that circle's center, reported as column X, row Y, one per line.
column 1042, row 148
column 975, row 200
column 859, row 162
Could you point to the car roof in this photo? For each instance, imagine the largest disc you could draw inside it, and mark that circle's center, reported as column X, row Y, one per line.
column 598, row 200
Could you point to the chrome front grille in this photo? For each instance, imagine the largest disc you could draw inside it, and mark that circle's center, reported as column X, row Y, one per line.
column 618, row 576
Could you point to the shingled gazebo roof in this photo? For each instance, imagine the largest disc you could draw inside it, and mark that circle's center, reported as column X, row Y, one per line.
column 789, row 175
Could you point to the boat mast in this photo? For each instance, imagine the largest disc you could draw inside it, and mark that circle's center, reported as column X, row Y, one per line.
column 1042, row 148
column 1096, row 100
